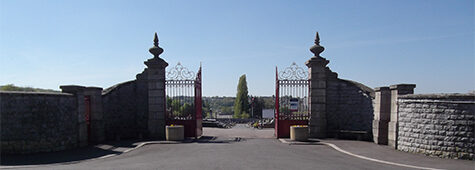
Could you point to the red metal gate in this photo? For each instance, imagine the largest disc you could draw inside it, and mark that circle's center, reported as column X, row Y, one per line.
column 291, row 99
column 184, row 102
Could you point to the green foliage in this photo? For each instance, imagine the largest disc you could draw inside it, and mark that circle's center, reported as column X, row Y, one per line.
column 244, row 115
column 256, row 107
column 178, row 108
column 241, row 104
column 206, row 111
column 12, row 87
column 187, row 109
column 175, row 106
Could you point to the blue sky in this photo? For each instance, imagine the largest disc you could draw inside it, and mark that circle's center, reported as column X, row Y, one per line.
column 430, row 43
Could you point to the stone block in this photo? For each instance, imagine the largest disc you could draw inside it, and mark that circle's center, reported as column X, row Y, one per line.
column 392, row 134
column 318, row 84
column 175, row 133
column 156, row 93
column 318, row 99
column 82, row 135
column 318, row 107
column 156, row 108
column 318, row 131
column 299, row 133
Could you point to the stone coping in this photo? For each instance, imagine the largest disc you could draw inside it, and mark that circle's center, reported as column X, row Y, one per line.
column 112, row 88
column 441, row 96
column 361, row 86
column 35, row 93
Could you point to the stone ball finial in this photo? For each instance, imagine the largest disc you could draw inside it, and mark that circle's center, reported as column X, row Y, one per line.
column 155, row 50
column 317, row 48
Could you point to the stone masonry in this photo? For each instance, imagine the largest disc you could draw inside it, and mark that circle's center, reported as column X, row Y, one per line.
column 396, row 91
column 382, row 111
column 438, row 125
column 349, row 109
column 80, row 116
column 96, row 116
column 37, row 122
column 335, row 104
column 317, row 94
column 156, row 92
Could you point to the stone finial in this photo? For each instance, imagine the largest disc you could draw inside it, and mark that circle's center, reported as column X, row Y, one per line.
column 155, row 50
column 317, row 48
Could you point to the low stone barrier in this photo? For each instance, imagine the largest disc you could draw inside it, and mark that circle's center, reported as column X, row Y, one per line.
column 37, row 122
column 439, row 125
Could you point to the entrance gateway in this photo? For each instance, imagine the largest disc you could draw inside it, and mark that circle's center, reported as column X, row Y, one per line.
column 291, row 99
column 184, row 100
column 183, row 103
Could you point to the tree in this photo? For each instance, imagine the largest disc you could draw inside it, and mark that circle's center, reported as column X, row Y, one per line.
column 241, row 104
column 258, row 105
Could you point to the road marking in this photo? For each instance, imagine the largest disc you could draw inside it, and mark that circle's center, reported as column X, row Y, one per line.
column 106, row 156
column 375, row 160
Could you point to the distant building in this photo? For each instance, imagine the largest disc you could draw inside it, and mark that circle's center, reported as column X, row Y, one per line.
column 268, row 113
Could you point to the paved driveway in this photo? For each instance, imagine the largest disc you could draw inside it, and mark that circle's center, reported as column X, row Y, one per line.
column 245, row 148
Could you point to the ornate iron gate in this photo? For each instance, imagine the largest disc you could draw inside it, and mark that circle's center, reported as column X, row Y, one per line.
column 291, row 99
column 184, row 102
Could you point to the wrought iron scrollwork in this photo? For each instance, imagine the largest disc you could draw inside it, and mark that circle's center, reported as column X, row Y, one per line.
column 179, row 72
column 293, row 72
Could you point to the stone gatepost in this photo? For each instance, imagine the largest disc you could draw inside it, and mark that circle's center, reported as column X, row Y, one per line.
column 317, row 93
column 96, row 119
column 78, row 91
column 156, row 92
column 396, row 90
column 382, row 110
column 97, row 123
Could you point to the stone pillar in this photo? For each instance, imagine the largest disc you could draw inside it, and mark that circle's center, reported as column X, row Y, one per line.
column 396, row 90
column 97, row 122
column 317, row 93
column 156, row 92
column 382, row 110
column 78, row 91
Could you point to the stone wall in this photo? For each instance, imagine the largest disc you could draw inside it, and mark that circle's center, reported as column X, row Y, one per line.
column 38, row 122
column 349, row 107
column 437, row 124
column 124, row 111
column 120, row 108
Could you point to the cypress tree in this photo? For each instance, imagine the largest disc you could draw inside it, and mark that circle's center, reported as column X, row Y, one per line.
column 241, row 104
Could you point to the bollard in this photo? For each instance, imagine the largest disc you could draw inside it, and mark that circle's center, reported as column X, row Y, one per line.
column 175, row 133
column 299, row 132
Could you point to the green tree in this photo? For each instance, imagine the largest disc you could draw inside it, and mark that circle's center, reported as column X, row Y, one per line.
column 176, row 107
column 241, row 104
column 257, row 106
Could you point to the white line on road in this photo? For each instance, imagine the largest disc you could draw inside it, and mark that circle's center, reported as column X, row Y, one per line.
column 375, row 160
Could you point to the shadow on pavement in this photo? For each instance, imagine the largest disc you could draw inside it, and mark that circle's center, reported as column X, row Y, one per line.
column 214, row 139
column 78, row 154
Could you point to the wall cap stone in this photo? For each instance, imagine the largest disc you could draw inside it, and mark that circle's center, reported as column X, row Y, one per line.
column 114, row 87
column 402, row 86
column 34, row 93
column 447, row 96
column 381, row 88
column 361, row 86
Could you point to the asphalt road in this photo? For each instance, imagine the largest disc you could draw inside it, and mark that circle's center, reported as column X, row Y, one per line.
column 237, row 148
